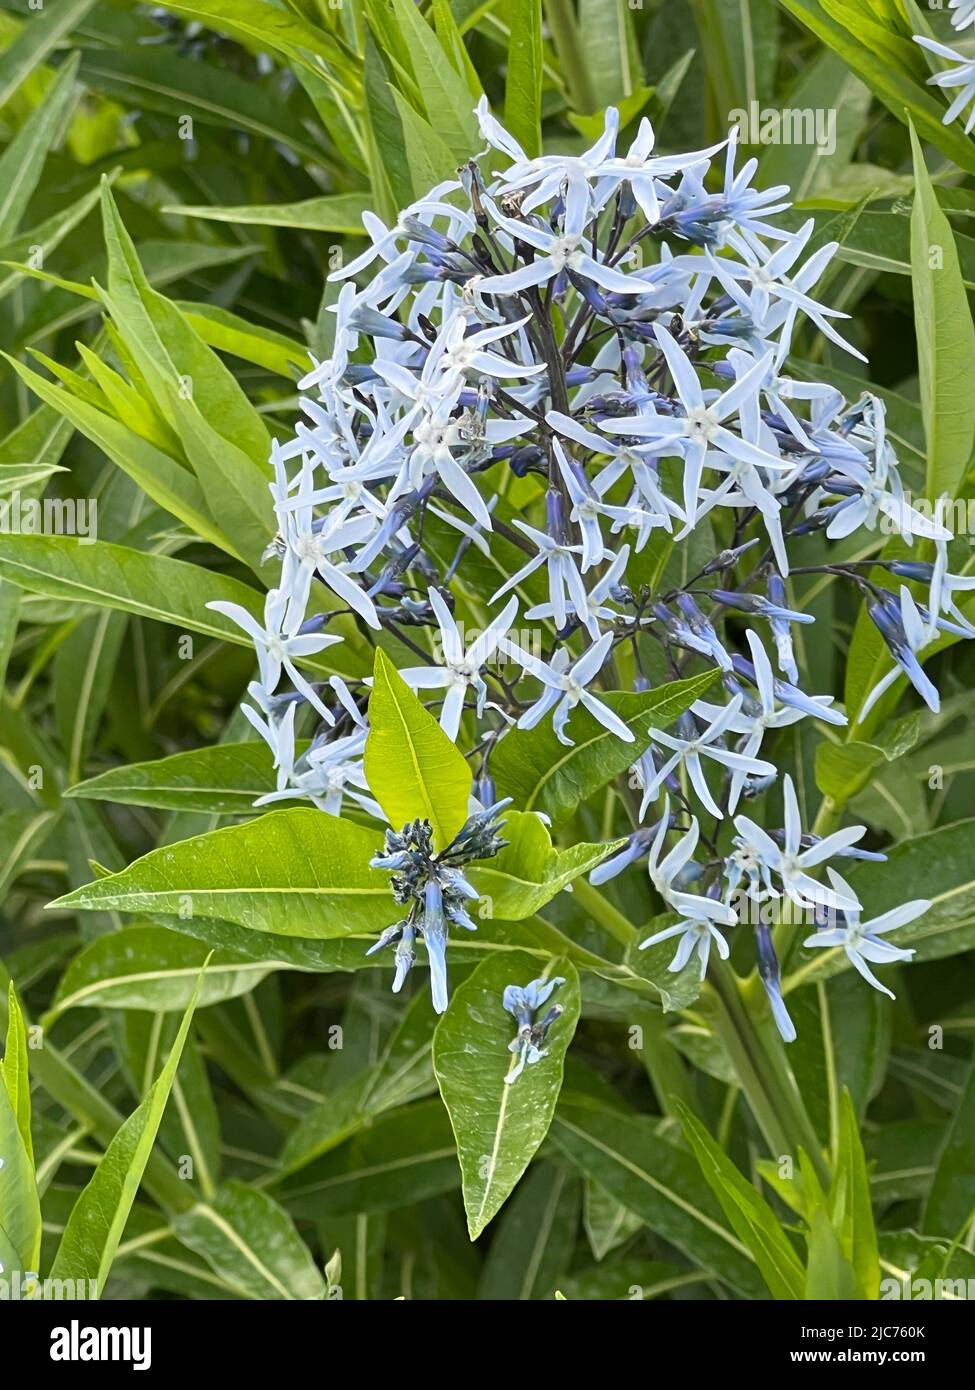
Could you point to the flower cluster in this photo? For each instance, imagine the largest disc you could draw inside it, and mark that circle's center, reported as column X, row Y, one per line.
column 961, row 73
column 523, row 1004
column 555, row 373
column 434, row 891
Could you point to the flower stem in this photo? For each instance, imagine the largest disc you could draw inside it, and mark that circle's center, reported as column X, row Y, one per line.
column 766, row 1080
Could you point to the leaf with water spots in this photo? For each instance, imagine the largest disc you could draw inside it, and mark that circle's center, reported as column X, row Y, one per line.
column 498, row 1125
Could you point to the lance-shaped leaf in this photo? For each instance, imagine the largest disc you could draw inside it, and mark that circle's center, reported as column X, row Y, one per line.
column 402, row 1158
column 661, row 1182
column 150, row 967
column 748, row 1213
column 290, row 873
column 945, row 338
column 529, row 872
column 543, row 774
column 23, row 159
column 249, row 1240
column 20, row 1211
column 498, row 1125
column 13, row 1070
column 850, row 1208
column 94, row 1229
column 951, row 1201
column 115, row 576
column 413, row 769
column 224, row 780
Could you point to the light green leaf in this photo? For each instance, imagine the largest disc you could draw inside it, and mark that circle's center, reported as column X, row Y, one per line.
column 843, row 769
column 35, row 41
column 13, row 1070
column 945, row 339
column 412, row 767
column 20, row 1212
column 444, row 92
column 829, row 1274
column 523, row 83
column 498, row 1126
column 428, row 159
column 113, row 576
column 850, row 1209
column 529, row 872
column 749, row 1215
column 94, row 1229
column 340, row 212
column 23, row 159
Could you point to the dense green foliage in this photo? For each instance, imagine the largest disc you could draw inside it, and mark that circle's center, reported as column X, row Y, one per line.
column 223, row 1094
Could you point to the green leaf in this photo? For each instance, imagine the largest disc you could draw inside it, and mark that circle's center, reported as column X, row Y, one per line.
column 542, row 774
column 609, row 52
column 340, row 212
column 661, row 1183
column 827, row 85
column 900, row 92
column 945, row 339
column 252, row 1243
column 523, row 82
column 91, row 1237
column 412, row 767
column 223, row 780
column 290, row 873
column 428, row 159
column 35, row 41
column 402, row 1072
column 150, row 967
column 20, row 1211
column 498, row 1125
column 228, row 332
column 263, row 26
column 749, row 1215
column 224, row 437
column 113, row 576
column 850, row 1209
column 740, row 39
column 529, row 872
column 445, row 94
column 843, row 769
column 533, row 1242
column 13, row 1070
column 951, row 1202
column 403, row 1158
column 208, row 92
column 829, row 1274
column 23, row 159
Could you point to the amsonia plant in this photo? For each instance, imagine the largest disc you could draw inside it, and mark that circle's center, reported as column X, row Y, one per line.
column 502, row 821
